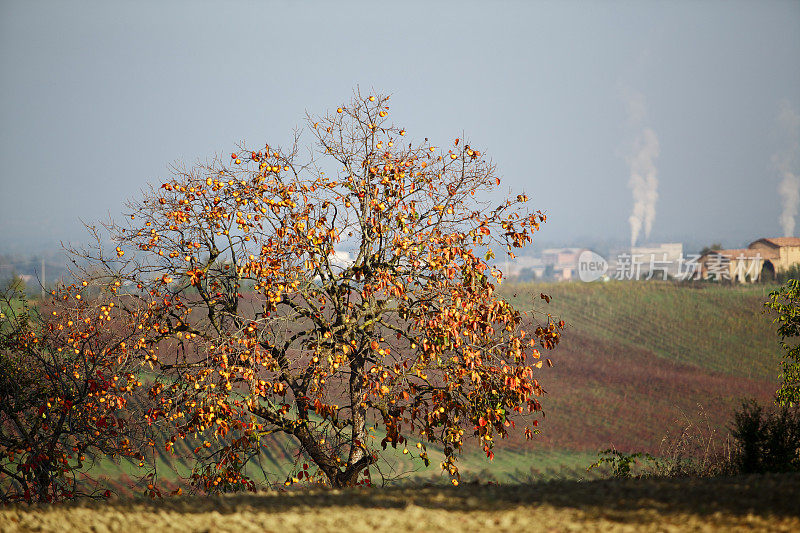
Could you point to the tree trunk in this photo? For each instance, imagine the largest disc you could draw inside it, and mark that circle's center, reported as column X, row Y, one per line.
column 325, row 462
column 358, row 434
column 43, row 481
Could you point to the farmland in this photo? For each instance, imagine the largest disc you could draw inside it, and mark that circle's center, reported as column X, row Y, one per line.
column 642, row 367
column 643, row 361
column 714, row 327
column 652, row 367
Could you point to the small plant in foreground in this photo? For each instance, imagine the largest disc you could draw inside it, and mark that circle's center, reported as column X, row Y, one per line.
column 623, row 464
column 695, row 451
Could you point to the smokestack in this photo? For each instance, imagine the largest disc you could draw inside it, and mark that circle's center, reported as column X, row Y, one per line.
column 789, row 187
column 641, row 160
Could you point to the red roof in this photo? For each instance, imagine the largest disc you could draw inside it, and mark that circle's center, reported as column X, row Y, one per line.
column 745, row 253
column 779, row 242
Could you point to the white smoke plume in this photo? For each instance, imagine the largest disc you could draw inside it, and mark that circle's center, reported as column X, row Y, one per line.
column 789, row 187
column 643, row 172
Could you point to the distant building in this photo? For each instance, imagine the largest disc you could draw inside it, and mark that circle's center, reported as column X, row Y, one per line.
column 660, row 260
column 523, row 268
column 780, row 253
column 562, row 262
column 761, row 260
column 741, row 265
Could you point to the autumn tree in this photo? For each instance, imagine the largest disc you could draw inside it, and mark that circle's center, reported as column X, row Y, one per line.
column 64, row 380
column 342, row 296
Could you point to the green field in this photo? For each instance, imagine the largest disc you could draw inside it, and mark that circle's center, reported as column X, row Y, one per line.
column 278, row 460
column 655, row 367
column 9, row 308
column 714, row 327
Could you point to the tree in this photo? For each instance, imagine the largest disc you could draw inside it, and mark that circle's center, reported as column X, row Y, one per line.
column 15, row 284
column 63, row 368
column 713, row 248
column 786, row 302
column 793, row 272
column 258, row 324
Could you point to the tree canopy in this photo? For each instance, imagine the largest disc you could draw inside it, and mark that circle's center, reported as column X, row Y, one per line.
column 341, row 293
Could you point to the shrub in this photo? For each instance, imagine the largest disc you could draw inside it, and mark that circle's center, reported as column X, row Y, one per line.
column 767, row 441
column 793, row 272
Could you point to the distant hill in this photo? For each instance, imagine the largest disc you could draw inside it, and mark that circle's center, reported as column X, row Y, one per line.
column 641, row 361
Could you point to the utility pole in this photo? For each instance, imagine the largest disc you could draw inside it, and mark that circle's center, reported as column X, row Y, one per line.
column 44, row 283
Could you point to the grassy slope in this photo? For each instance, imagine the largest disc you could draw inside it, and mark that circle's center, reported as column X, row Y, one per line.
column 718, row 328
column 643, row 361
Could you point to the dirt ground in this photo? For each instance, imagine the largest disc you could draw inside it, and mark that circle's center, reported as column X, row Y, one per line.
column 745, row 503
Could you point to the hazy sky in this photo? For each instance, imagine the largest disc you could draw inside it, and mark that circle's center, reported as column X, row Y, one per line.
column 99, row 98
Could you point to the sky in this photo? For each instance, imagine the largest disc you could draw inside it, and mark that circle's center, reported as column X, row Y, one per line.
column 680, row 117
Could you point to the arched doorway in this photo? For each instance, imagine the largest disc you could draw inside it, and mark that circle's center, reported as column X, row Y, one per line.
column 767, row 271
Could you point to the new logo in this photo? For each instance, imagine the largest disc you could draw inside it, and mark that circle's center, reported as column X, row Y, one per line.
column 591, row 266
